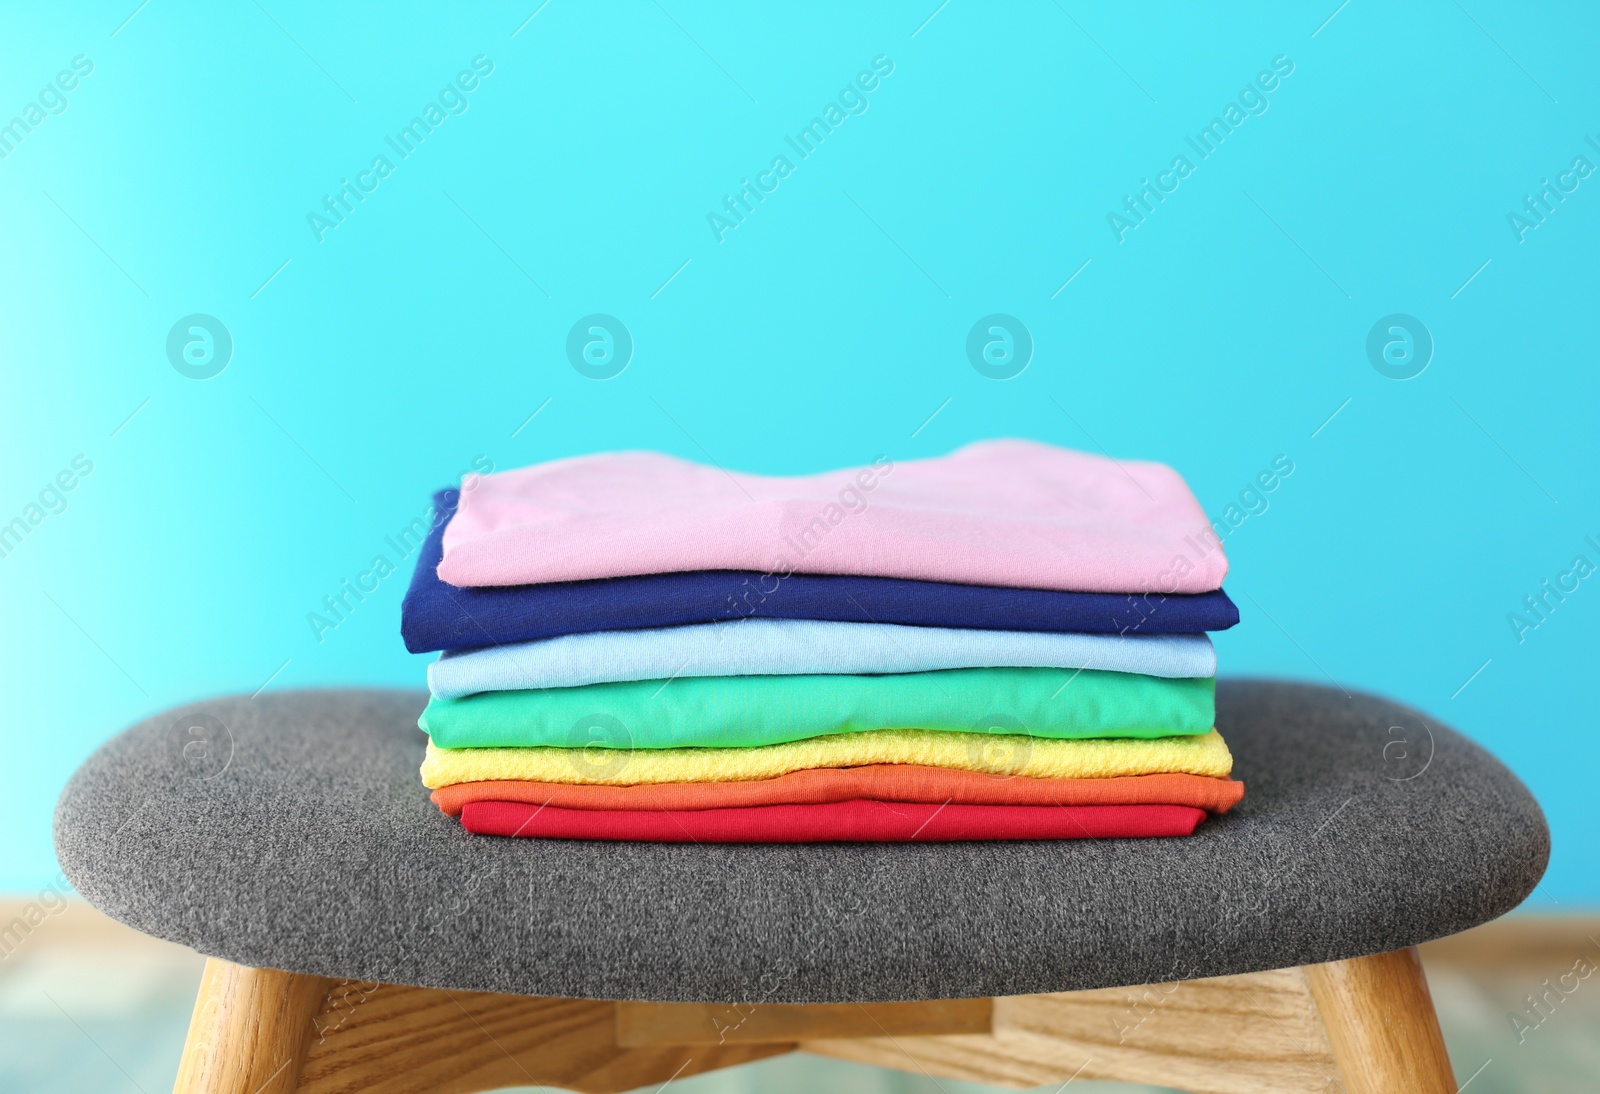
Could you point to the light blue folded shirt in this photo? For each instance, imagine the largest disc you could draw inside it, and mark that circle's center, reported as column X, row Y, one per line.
column 777, row 647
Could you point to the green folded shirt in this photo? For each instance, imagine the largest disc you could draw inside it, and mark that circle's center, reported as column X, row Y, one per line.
column 748, row 711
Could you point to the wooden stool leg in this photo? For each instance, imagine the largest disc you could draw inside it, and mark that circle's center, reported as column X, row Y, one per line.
column 261, row 1031
column 249, row 1030
column 1381, row 1024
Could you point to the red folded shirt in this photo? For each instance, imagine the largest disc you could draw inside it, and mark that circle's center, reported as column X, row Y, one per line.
column 873, row 782
column 848, row 821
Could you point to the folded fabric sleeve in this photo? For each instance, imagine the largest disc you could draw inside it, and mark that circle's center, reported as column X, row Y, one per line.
column 1008, row 512
column 848, row 821
column 994, row 754
column 876, row 782
column 439, row 616
column 750, row 711
column 769, row 647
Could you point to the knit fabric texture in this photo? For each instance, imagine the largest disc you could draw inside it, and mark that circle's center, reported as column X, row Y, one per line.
column 992, row 753
column 748, row 711
column 874, row 782
column 1005, row 512
column 289, row 831
column 438, row 616
column 805, row 647
column 857, row 821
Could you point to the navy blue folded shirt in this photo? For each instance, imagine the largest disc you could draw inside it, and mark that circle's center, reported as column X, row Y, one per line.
column 439, row 616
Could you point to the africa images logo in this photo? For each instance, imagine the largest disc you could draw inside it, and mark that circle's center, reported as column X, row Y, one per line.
column 852, row 99
column 199, row 346
column 599, row 346
column 452, row 100
column 999, row 346
column 51, row 100
column 1253, row 100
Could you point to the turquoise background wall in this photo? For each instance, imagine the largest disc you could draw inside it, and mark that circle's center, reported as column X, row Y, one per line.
column 375, row 355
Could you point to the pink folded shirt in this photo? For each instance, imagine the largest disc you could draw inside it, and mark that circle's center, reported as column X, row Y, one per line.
column 1011, row 512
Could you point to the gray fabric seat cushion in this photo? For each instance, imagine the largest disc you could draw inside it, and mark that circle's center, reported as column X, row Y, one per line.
column 292, row 831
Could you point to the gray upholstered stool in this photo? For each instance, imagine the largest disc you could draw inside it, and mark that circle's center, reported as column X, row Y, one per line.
column 291, row 832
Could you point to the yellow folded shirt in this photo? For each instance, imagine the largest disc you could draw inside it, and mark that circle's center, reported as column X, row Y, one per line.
column 996, row 754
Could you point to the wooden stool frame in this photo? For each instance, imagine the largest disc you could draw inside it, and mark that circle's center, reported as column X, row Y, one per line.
column 1363, row 1026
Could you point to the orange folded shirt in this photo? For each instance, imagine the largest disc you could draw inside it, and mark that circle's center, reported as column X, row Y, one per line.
column 878, row 782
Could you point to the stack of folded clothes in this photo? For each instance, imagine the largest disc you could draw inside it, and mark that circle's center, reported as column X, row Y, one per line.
column 1003, row 643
